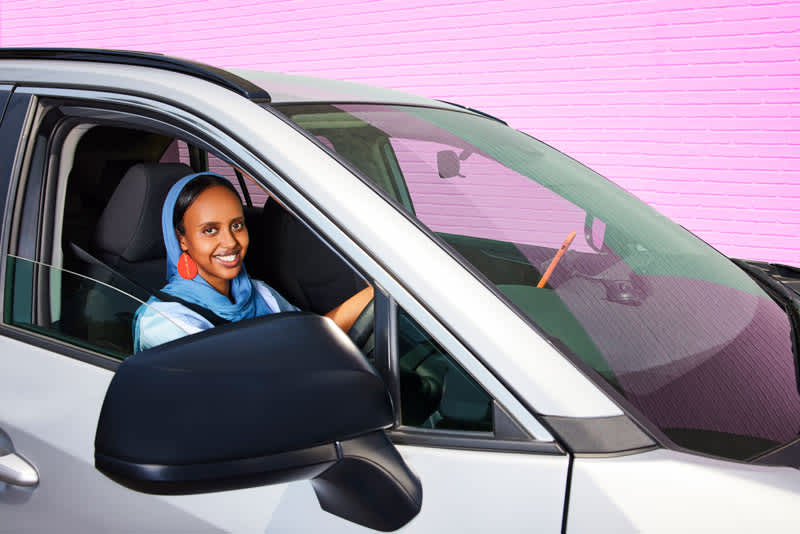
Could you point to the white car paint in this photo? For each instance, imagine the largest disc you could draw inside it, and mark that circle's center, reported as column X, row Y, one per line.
column 669, row 491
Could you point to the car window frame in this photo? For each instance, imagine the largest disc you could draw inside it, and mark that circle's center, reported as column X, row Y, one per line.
column 149, row 114
column 24, row 220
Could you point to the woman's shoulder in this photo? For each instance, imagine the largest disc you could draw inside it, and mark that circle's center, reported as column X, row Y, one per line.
column 275, row 300
column 155, row 310
column 157, row 322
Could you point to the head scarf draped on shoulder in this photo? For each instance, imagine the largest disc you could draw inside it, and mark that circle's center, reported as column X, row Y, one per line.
column 247, row 301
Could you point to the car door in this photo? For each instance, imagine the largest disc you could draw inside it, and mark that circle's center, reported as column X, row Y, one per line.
column 53, row 380
column 459, row 429
column 499, row 468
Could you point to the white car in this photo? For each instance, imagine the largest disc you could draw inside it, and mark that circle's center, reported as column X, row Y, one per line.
column 544, row 352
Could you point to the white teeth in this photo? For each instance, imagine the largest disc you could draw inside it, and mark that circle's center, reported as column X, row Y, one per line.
column 232, row 257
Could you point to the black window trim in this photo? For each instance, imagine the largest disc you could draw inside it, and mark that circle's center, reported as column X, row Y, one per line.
column 221, row 77
column 10, row 208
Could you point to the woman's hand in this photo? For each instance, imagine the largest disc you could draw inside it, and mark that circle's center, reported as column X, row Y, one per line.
column 346, row 313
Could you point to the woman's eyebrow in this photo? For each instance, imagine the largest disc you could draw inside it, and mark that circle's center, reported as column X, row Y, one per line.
column 207, row 223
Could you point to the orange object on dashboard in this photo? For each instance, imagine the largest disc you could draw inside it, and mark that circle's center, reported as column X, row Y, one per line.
column 556, row 259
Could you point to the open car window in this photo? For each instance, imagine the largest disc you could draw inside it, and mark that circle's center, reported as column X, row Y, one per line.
column 86, row 247
column 97, row 314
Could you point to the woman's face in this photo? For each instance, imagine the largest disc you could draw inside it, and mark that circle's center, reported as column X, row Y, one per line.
column 216, row 237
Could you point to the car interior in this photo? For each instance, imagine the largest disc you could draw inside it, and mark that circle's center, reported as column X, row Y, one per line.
column 110, row 233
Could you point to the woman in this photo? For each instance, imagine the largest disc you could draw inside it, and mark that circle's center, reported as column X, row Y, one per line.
column 206, row 241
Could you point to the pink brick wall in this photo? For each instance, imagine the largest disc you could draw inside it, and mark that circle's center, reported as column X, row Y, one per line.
column 692, row 105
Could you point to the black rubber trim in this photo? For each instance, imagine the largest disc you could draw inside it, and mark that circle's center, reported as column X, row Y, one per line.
column 479, row 112
column 386, row 348
column 600, row 435
column 12, row 125
column 5, row 99
column 209, row 73
column 505, row 426
column 567, row 491
column 785, row 455
column 476, row 441
column 211, row 477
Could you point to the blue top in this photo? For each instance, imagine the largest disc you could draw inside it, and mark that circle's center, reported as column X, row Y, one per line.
column 157, row 322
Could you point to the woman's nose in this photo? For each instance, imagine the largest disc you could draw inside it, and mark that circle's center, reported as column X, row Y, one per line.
column 228, row 239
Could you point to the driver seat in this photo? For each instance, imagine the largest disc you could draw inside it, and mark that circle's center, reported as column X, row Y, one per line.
column 128, row 242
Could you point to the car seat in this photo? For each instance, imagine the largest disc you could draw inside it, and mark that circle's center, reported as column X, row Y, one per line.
column 128, row 236
column 301, row 267
column 127, row 241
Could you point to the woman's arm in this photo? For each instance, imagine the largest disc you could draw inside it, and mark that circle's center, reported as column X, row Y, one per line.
column 346, row 313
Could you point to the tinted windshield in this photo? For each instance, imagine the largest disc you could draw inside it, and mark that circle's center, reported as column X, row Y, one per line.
column 676, row 328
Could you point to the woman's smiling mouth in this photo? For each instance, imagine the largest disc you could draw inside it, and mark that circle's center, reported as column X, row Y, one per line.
column 228, row 260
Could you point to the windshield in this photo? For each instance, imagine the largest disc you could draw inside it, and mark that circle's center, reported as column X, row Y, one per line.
column 685, row 336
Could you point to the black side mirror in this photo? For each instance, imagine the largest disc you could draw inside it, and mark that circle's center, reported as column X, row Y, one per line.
column 263, row 401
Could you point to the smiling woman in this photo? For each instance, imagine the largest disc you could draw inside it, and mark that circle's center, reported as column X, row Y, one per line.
column 212, row 235
column 206, row 241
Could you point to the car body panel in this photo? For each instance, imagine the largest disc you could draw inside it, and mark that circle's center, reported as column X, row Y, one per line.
column 45, row 388
column 670, row 491
column 283, row 88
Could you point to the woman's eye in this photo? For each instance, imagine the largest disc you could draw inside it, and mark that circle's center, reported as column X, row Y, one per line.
column 210, row 230
column 236, row 227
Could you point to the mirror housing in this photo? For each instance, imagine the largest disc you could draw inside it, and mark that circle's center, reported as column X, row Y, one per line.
column 261, row 401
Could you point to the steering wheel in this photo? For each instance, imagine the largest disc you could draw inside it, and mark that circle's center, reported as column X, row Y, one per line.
column 363, row 326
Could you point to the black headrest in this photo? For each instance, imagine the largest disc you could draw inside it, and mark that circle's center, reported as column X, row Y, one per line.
column 130, row 225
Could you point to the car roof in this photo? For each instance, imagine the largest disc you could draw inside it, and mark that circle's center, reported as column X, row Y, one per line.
column 284, row 88
column 269, row 87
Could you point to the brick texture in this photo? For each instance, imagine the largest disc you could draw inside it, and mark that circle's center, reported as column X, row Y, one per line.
column 691, row 105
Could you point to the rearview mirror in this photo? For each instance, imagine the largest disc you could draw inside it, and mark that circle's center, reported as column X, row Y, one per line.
column 262, row 401
column 448, row 163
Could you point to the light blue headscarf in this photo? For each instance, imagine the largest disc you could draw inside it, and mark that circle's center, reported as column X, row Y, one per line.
column 247, row 304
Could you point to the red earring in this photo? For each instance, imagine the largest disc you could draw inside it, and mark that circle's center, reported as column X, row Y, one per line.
column 187, row 268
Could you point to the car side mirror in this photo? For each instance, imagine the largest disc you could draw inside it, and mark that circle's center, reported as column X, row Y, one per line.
column 262, row 401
